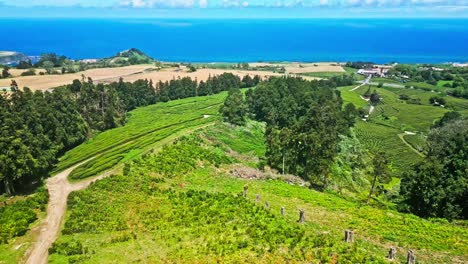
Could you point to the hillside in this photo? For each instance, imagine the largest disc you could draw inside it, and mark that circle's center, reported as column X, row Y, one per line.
column 175, row 194
column 11, row 57
column 131, row 56
column 191, row 209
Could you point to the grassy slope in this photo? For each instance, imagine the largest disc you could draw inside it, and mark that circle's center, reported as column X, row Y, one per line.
column 394, row 116
column 148, row 216
column 145, row 126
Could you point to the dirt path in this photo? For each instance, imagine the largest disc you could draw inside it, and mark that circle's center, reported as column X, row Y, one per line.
column 402, row 137
column 59, row 188
column 371, row 110
column 366, row 81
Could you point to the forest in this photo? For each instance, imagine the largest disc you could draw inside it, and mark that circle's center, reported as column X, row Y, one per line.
column 39, row 127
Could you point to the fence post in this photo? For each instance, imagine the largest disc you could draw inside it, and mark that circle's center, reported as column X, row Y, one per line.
column 392, row 253
column 301, row 216
column 282, row 211
column 349, row 236
column 411, row 258
column 246, row 190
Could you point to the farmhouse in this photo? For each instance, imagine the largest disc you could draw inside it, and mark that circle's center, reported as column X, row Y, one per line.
column 376, row 71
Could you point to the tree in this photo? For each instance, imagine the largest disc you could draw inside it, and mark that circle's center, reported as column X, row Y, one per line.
column 447, row 118
column 304, row 120
column 192, row 68
column 24, row 65
column 438, row 186
column 436, row 100
column 234, row 109
column 350, row 114
column 48, row 66
column 5, row 72
column 381, row 173
column 375, row 98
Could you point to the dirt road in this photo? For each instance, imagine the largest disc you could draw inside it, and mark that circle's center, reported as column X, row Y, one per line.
column 59, row 188
column 366, row 81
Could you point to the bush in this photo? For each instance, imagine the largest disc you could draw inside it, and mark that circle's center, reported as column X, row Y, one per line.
column 16, row 218
column 69, row 248
column 29, row 72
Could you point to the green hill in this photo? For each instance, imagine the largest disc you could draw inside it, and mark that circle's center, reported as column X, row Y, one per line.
column 129, row 57
column 184, row 204
column 177, row 195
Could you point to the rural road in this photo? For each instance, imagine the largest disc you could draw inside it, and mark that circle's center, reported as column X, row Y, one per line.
column 59, row 188
column 366, row 81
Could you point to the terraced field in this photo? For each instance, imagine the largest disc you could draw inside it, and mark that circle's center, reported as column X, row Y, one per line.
column 145, row 127
column 377, row 137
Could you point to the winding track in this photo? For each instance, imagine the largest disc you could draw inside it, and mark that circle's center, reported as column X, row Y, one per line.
column 59, row 188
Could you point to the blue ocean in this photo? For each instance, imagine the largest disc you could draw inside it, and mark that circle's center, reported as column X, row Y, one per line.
column 248, row 40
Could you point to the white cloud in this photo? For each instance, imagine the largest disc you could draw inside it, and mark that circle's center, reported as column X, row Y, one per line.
column 203, row 3
column 160, row 3
column 406, row 2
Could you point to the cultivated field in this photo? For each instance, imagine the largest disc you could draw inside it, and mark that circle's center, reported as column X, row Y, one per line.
column 18, row 72
column 128, row 73
column 145, row 126
column 296, row 67
column 44, row 82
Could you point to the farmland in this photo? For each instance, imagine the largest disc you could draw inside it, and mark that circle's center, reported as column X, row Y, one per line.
column 145, row 127
column 393, row 116
column 128, row 73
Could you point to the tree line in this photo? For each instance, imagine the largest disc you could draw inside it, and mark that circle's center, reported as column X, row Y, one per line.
column 303, row 122
column 38, row 127
column 438, row 185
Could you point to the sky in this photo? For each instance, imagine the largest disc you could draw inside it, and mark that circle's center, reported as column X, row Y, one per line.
column 234, row 8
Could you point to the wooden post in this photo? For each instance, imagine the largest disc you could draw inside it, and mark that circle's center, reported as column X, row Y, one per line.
column 349, row 236
column 282, row 211
column 301, row 216
column 258, row 197
column 246, row 190
column 392, row 253
column 267, row 205
column 411, row 258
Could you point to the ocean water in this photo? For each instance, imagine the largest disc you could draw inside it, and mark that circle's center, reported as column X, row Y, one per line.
column 190, row 40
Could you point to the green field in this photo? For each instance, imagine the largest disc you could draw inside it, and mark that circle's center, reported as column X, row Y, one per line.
column 377, row 137
column 145, row 127
column 404, row 116
column 392, row 118
column 328, row 75
column 183, row 205
column 417, row 141
column 352, row 97
column 442, row 83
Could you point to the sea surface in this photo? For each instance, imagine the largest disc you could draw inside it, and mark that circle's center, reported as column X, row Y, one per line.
column 247, row 40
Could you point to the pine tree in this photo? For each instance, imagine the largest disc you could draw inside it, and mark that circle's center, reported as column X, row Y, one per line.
column 234, row 109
